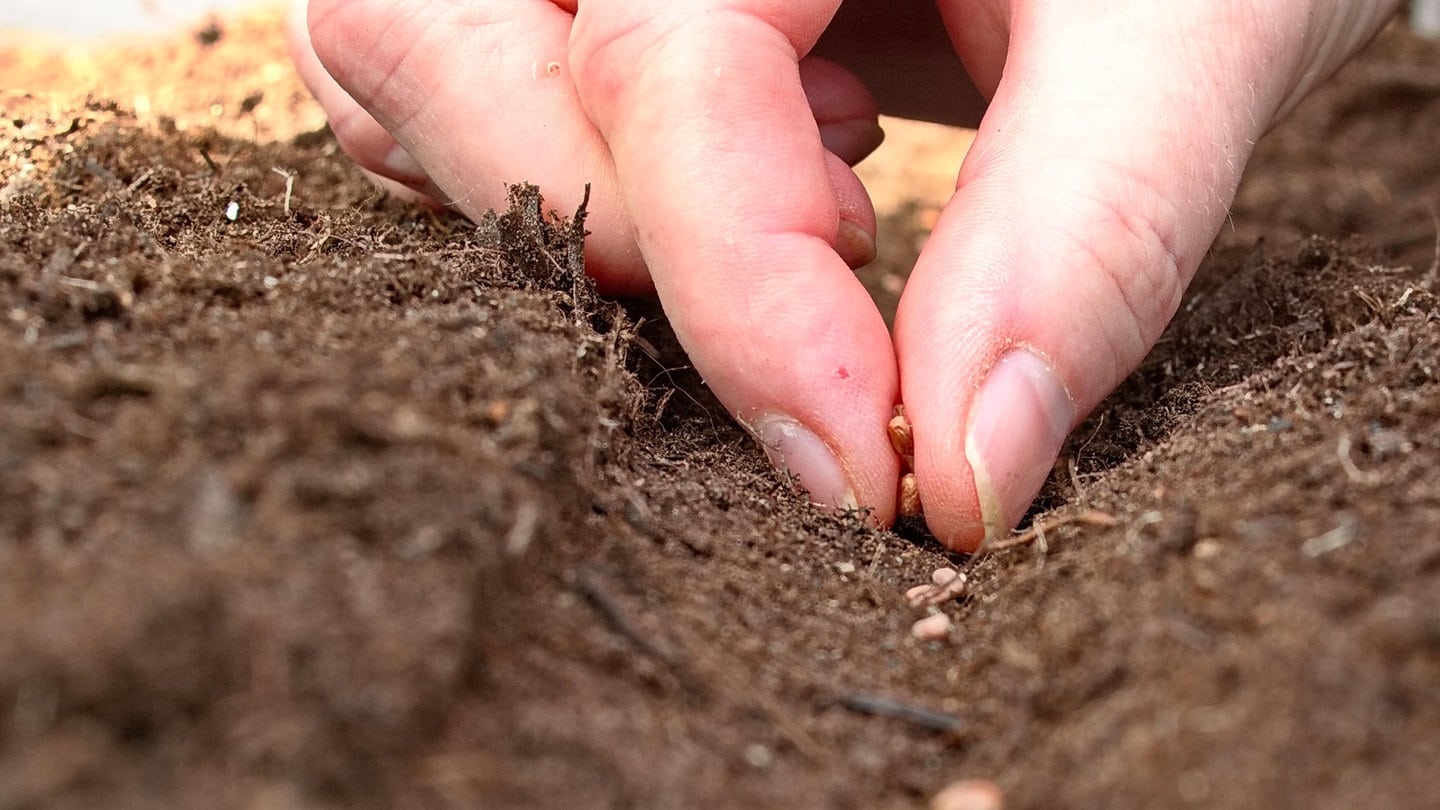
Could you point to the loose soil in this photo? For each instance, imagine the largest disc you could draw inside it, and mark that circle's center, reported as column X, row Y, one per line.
column 336, row 503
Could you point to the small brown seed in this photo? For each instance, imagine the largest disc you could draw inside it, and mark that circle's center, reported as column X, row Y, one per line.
column 901, row 436
column 909, row 496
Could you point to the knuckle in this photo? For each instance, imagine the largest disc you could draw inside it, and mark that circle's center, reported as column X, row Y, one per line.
column 611, row 56
column 1127, row 242
column 603, row 52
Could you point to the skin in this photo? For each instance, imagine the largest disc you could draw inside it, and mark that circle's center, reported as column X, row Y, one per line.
column 718, row 136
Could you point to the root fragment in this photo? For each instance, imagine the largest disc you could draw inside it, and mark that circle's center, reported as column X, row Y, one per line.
column 1037, row 530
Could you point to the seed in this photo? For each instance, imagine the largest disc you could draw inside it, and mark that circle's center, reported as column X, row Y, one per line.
column 910, row 496
column 931, row 628
column 949, row 585
column 902, row 438
column 971, row 794
column 919, row 595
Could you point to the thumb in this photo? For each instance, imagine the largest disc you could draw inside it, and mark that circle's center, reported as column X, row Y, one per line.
column 1102, row 172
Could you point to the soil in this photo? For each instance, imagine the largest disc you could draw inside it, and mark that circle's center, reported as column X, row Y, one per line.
column 311, row 499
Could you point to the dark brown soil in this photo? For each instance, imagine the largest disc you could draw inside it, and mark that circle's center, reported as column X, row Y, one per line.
column 340, row 504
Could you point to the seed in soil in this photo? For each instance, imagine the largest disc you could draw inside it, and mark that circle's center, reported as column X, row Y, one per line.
column 901, row 436
column 932, row 628
column 909, row 497
column 969, row 794
column 947, row 584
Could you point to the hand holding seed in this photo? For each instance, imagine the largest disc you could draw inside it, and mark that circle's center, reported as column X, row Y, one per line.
column 717, row 137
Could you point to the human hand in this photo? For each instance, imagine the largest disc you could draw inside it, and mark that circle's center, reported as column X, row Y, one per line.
column 1103, row 169
column 713, row 150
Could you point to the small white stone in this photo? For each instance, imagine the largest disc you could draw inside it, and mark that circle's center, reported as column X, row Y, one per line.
column 944, row 576
column 845, row 567
column 232, row 211
column 758, row 756
column 932, row 628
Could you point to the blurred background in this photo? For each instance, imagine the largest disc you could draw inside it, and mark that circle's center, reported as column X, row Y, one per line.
column 88, row 18
column 95, row 17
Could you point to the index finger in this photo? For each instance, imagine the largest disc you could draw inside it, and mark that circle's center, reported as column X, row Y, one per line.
column 737, row 205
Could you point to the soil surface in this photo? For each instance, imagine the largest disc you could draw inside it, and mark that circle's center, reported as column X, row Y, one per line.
column 311, row 499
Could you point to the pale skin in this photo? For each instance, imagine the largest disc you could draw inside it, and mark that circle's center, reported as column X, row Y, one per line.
column 718, row 145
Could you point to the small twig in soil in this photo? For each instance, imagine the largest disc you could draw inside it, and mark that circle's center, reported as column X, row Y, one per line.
column 1353, row 472
column 209, row 161
column 875, row 559
column 1038, row 529
column 1099, row 425
column 1337, row 538
column 1072, row 465
column 880, row 706
column 619, row 620
column 140, row 181
column 289, row 185
column 1042, row 546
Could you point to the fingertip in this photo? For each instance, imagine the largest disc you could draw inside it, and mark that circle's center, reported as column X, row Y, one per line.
column 844, row 109
column 425, row 195
column 852, row 141
column 856, row 231
column 855, row 244
column 390, row 165
column 1014, row 430
column 796, row 450
column 753, row 280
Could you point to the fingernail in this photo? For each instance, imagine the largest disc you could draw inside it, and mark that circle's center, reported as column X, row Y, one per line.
column 1016, row 426
column 794, row 449
column 854, row 244
column 851, row 140
column 400, row 165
